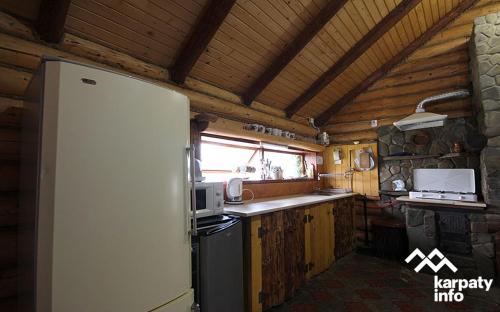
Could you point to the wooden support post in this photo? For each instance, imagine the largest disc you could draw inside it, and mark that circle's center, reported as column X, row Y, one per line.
column 51, row 19
column 213, row 16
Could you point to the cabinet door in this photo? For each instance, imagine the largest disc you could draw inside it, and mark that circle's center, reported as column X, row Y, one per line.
column 273, row 253
column 344, row 227
column 294, row 250
column 322, row 237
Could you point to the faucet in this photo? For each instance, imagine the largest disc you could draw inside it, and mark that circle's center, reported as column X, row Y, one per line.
column 347, row 174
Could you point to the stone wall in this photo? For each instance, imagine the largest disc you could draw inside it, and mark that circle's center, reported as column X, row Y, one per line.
column 485, row 69
column 440, row 140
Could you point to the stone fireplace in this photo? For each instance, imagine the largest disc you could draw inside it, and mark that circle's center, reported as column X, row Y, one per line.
column 439, row 142
column 485, row 71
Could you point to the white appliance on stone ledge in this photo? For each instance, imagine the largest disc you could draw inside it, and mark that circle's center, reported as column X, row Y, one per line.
column 445, row 184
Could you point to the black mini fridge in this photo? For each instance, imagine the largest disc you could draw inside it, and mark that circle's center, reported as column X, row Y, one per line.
column 218, row 264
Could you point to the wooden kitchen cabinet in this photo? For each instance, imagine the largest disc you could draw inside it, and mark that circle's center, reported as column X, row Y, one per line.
column 283, row 249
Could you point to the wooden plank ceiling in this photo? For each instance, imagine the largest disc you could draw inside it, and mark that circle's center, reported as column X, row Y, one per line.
column 254, row 33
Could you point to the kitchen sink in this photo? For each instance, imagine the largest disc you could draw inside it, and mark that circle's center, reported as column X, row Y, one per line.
column 332, row 191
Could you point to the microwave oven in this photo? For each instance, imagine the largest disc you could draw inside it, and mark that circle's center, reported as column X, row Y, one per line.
column 209, row 198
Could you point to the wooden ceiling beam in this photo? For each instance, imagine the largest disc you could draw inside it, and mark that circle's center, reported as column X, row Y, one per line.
column 406, row 52
column 51, row 19
column 292, row 50
column 210, row 21
column 352, row 55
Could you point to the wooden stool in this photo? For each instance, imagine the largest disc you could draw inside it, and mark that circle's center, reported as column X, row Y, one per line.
column 389, row 238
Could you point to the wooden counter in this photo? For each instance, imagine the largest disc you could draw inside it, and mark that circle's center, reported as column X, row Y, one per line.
column 288, row 240
column 441, row 202
column 272, row 204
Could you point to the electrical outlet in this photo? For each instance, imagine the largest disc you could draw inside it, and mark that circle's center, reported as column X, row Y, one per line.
column 374, row 123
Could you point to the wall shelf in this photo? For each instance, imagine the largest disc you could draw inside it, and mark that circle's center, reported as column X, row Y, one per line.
column 454, row 155
column 445, row 156
column 230, row 128
column 409, row 157
column 393, row 193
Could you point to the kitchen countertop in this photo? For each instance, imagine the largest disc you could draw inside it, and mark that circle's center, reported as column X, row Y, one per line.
column 271, row 204
column 442, row 202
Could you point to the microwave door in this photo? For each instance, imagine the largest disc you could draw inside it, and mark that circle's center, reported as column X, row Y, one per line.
column 201, row 199
column 203, row 202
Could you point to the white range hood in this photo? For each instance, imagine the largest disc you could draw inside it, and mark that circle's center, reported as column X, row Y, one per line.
column 422, row 119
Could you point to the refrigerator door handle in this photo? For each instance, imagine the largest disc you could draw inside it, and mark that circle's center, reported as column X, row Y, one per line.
column 194, row 227
column 188, row 189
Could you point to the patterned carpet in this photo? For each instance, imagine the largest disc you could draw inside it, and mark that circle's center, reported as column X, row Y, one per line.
column 362, row 283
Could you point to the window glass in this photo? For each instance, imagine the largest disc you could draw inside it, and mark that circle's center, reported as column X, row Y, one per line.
column 291, row 165
column 222, row 159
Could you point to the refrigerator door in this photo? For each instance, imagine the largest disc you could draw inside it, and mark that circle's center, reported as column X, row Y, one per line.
column 113, row 214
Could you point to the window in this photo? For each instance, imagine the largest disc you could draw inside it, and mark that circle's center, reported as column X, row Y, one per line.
column 292, row 165
column 222, row 159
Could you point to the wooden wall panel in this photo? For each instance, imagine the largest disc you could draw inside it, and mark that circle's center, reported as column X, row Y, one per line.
column 282, row 188
column 363, row 182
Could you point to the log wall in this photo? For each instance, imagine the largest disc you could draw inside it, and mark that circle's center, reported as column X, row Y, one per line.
column 441, row 65
column 397, row 95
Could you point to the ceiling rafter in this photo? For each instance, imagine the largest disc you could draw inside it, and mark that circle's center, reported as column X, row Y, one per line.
column 350, row 56
column 210, row 21
column 51, row 20
column 292, row 50
column 382, row 71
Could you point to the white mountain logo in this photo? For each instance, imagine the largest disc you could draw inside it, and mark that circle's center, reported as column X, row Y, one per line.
column 427, row 260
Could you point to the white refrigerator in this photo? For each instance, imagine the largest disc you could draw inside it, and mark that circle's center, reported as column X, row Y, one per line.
column 105, row 199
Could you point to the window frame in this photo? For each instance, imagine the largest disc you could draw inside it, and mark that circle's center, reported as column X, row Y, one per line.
column 261, row 149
